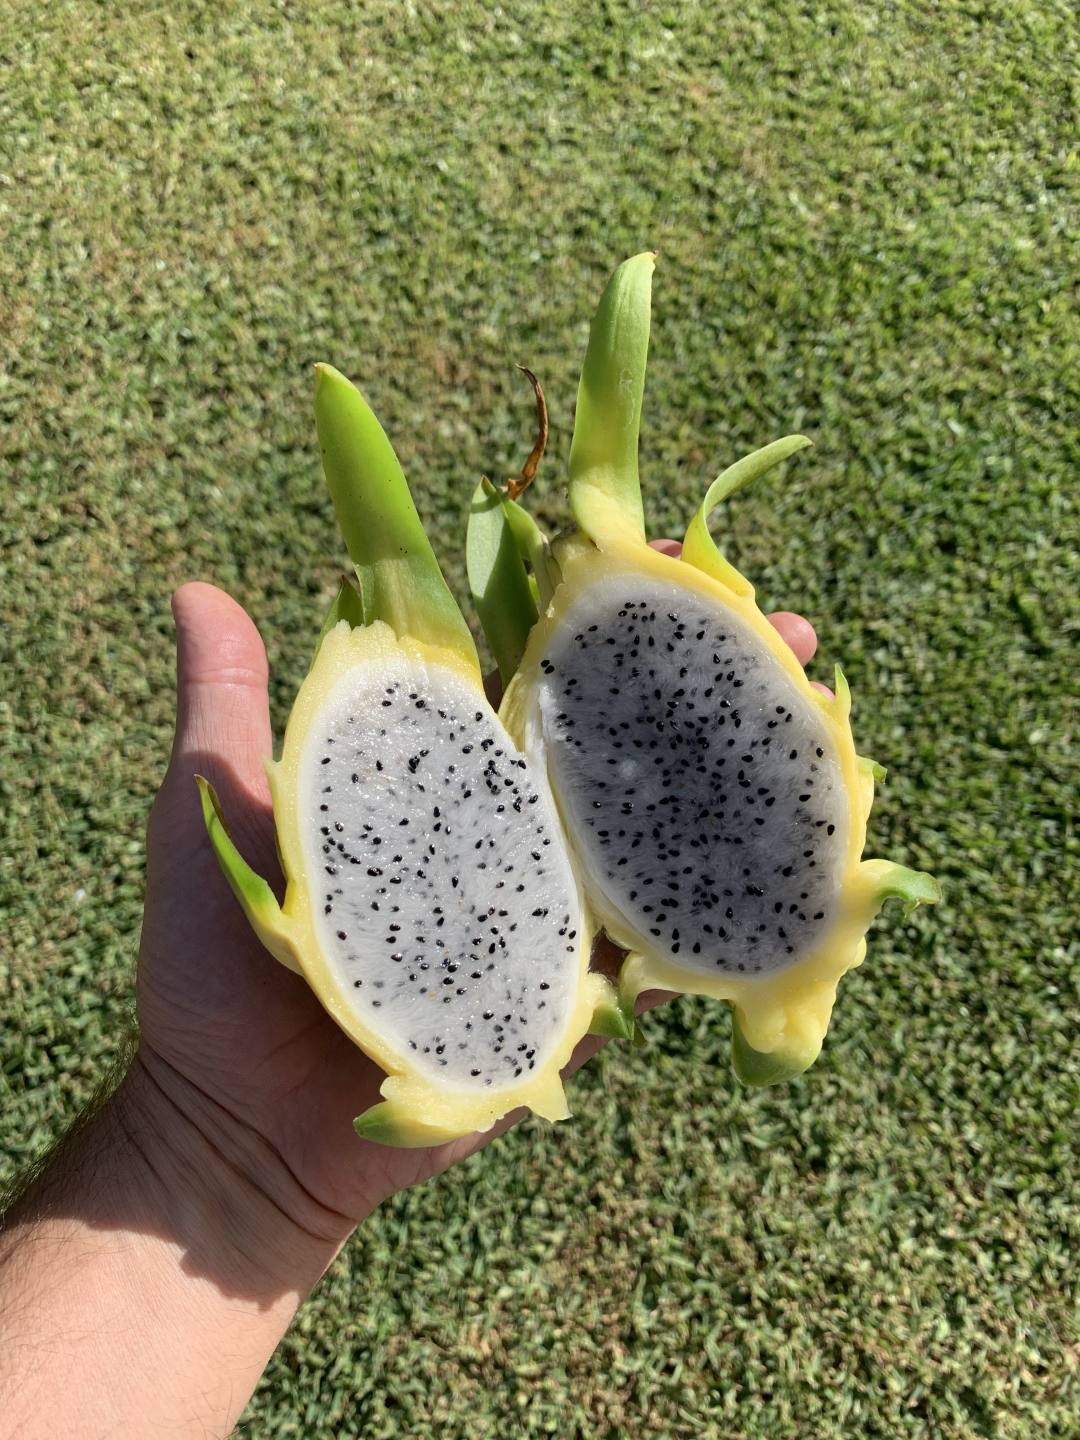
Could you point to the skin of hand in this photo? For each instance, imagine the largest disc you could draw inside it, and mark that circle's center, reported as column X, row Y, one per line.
column 215, row 1012
column 148, row 1273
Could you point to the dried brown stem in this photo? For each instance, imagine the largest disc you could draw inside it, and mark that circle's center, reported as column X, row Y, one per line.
column 517, row 486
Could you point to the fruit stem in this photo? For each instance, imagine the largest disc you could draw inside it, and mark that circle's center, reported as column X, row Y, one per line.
column 516, row 487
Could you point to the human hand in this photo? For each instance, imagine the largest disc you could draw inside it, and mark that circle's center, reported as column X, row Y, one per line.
column 238, row 1043
column 224, row 1174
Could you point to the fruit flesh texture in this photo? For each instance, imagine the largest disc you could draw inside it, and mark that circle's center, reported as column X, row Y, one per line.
column 445, row 900
column 707, row 804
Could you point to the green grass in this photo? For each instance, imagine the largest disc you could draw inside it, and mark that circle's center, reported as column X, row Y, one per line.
column 866, row 216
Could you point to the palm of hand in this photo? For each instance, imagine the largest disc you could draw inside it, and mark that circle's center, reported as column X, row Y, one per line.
column 214, row 1009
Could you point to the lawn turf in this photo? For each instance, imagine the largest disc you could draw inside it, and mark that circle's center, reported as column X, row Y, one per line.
column 866, row 216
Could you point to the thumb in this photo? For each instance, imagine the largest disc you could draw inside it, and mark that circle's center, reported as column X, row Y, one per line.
column 222, row 708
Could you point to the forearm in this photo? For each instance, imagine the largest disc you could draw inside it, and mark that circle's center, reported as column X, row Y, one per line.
column 147, row 1276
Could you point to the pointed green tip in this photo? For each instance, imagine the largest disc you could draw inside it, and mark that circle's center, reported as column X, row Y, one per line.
column 325, row 373
column 841, row 693
column 759, row 1068
column 913, row 887
column 257, row 899
column 253, row 892
column 613, row 1020
column 644, row 260
column 332, row 387
column 498, row 579
column 604, row 490
column 385, row 1124
column 218, row 830
column 699, row 547
column 211, row 808
column 347, row 604
column 871, row 767
column 400, row 579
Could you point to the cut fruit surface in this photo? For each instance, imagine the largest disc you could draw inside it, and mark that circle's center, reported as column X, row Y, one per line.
column 708, row 806
column 445, row 911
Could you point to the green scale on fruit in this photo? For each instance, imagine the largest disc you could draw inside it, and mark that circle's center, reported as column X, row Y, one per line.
column 714, row 801
column 430, row 901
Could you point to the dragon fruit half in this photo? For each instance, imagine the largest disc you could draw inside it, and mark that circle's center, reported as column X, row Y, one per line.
column 430, row 900
column 714, row 801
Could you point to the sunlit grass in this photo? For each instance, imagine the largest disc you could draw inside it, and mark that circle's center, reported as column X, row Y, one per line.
column 864, row 215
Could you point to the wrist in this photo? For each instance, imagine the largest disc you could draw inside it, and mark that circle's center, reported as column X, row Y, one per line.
column 220, row 1190
column 148, row 1273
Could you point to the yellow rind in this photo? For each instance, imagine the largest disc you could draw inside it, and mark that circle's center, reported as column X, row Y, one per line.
column 787, row 1012
column 446, row 1111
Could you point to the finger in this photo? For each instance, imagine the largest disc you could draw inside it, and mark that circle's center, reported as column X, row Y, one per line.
column 667, row 547
column 222, row 708
column 796, row 632
column 822, row 689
